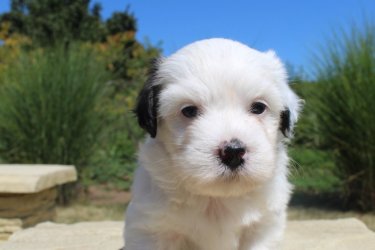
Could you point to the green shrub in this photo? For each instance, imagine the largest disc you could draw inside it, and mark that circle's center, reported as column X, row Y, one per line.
column 313, row 171
column 49, row 106
column 306, row 132
column 346, row 78
column 115, row 161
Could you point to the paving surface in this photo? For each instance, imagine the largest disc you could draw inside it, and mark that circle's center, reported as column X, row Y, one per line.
column 344, row 234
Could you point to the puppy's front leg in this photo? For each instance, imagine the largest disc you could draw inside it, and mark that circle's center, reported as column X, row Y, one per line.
column 265, row 235
column 157, row 241
column 174, row 241
column 139, row 240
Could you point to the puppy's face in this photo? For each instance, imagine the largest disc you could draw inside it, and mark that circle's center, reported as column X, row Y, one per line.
column 220, row 110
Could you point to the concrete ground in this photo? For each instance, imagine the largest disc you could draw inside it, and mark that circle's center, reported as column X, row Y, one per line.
column 343, row 234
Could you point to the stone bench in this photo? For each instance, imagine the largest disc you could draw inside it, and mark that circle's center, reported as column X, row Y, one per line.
column 343, row 234
column 28, row 194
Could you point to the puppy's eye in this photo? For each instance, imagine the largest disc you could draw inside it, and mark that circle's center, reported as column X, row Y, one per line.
column 258, row 108
column 190, row 111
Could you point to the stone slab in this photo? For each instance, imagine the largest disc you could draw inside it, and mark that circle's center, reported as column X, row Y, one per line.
column 343, row 234
column 31, row 209
column 8, row 227
column 80, row 236
column 34, row 178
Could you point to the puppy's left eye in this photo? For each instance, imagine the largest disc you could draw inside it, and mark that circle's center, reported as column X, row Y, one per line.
column 258, row 108
column 190, row 111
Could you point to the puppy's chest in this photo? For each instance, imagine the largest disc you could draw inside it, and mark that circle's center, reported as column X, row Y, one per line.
column 236, row 213
column 214, row 210
column 215, row 224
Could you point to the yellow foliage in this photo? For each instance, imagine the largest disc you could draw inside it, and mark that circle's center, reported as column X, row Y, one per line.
column 4, row 30
column 12, row 44
column 16, row 41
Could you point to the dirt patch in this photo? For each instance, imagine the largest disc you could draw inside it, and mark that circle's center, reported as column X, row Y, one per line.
column 103, row 195
column 95, row 203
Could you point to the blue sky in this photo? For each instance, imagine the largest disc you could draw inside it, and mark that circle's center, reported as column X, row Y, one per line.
column 294, row 29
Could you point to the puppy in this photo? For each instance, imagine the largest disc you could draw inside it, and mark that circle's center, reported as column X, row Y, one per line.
column 212, row 174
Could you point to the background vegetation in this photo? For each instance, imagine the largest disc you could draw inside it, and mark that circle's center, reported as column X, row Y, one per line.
column 346, row 76
column 335, row 138
column 69, row 80
column 49, row 110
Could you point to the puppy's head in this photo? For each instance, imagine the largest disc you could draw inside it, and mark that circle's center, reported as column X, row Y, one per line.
column 220, row 110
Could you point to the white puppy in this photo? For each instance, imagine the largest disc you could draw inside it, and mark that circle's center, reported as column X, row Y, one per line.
column 213, row 173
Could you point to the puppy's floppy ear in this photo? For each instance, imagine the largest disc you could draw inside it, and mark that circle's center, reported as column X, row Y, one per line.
column 146, row 109
column 289, row 116
column 285, row 122
column 292, row 103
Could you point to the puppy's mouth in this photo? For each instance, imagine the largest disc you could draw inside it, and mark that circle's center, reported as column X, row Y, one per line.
column 228, row 175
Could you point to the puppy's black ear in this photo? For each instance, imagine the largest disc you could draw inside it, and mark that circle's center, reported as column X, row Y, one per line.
column 146, row 109
column 285, row 122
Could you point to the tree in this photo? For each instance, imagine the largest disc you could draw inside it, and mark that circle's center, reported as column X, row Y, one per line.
column 48, row 22
column 121, row 22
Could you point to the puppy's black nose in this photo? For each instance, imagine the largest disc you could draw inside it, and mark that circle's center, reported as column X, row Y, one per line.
column 231, row 154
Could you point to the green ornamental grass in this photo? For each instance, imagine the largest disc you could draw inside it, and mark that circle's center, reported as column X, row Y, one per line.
column 345, row 110
column 49, row 106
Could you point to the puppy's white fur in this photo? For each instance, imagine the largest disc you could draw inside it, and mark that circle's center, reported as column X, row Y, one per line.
column 183, row 196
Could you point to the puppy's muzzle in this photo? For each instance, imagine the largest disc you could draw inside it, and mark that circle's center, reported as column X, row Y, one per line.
column 231, row 153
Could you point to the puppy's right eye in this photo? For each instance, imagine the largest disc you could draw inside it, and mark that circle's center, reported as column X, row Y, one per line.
column 258, row 108
column 190, row 111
